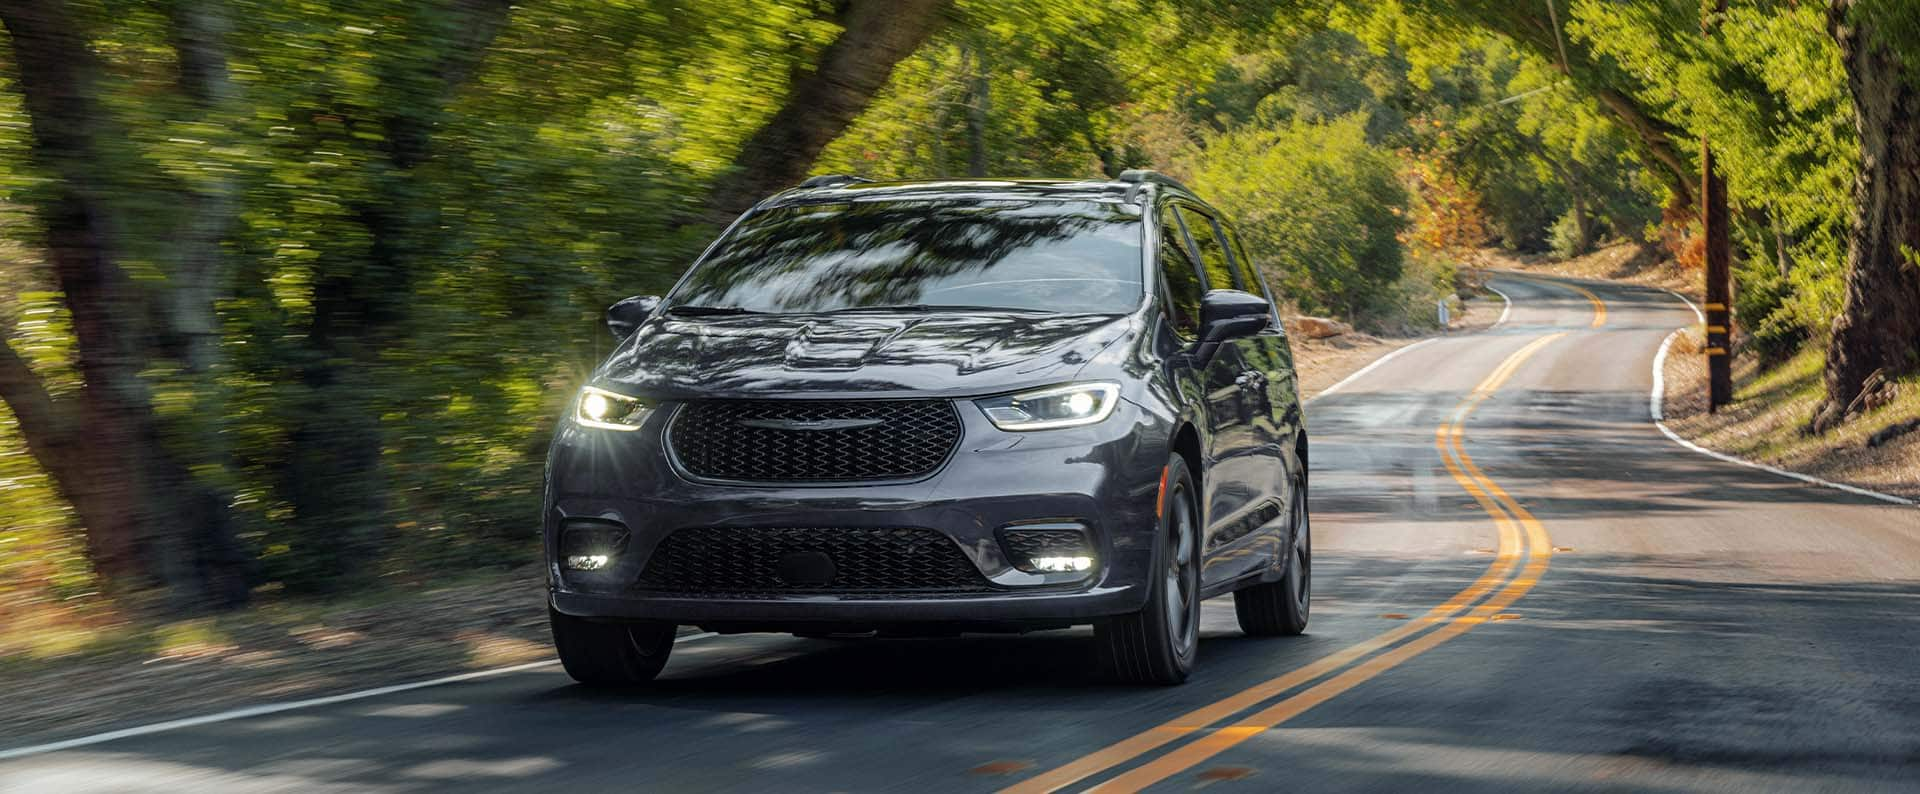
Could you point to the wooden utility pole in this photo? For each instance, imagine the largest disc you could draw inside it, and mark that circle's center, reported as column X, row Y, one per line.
column 1719, row 291
column 1713, row 223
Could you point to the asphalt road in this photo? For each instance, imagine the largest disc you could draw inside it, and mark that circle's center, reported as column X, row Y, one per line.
column 1521, row 584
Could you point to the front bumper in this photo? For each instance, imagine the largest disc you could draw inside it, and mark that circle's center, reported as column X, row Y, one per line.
column 1104, row 478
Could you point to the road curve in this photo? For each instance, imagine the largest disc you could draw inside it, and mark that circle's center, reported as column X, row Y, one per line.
column 1521, row 584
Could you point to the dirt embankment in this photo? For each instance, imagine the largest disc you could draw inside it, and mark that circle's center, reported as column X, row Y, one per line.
column 1320, row 362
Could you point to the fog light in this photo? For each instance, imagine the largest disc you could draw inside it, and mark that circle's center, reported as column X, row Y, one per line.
column 590, row 545
column 1049, row 548
column 1061, row 564
column 587, row 562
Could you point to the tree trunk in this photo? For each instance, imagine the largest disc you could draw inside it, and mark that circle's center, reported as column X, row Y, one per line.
column 822, row 101
column 147, row 522
column 1878, row 328
column 199, row 30
column 1582, row 226
column 979, row 105
column 1782, row 247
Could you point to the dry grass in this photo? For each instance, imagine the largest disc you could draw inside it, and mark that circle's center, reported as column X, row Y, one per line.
column 127, row 674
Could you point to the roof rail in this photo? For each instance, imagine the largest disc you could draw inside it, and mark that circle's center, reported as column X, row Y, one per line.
column 1139, row 177
column 832, row 180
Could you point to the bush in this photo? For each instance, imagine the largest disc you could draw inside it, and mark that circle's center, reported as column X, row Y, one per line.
column 1564, row 237
column 1320, row 210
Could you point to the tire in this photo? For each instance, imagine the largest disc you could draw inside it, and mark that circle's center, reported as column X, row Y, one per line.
column 1281, row 608
column 611, row 654
column 1157, row 645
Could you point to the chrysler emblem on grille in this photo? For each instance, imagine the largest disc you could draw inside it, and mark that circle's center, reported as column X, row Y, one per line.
column 808, row 424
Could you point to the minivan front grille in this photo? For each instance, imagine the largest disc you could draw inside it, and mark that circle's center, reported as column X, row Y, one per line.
column 818, row 441
column 758, row 561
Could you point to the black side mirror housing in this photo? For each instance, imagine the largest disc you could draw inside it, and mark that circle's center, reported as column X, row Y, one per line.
column 1228, row 314
column 627, row 315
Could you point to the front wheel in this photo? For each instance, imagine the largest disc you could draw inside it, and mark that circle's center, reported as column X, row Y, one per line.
column 1157, row 645
column 611, row 654
column 1281, row 608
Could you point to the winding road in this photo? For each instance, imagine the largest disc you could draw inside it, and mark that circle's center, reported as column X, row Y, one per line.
column 1521, row 584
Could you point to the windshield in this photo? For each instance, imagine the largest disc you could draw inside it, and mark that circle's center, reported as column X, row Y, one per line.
column 1052, row 256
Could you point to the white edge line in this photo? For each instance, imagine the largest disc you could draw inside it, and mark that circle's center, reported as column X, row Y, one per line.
column 275, row 708
column 1697, row 314
column 1657, row 408
column 1504, row 309
column 1366, row 369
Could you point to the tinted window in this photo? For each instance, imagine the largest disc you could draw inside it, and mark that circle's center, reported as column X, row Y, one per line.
column 1036, row 255
column 1183, row 282
column 1249, row 275
column 1213, row 255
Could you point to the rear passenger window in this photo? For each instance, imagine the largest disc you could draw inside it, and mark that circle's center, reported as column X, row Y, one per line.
column 1213, row 255
column 1182, row 281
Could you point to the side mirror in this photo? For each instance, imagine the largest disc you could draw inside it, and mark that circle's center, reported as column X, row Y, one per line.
column 1228, row 314
column 627, row 315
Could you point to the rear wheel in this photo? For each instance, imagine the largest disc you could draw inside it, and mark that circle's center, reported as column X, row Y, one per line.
column 610, row 654
column 1157, row 645
column 1281, row 608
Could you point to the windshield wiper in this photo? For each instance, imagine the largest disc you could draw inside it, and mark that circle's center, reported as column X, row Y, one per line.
column 710, row 311
column 925, row 308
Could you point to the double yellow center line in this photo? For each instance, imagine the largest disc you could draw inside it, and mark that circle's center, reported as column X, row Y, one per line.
column 1521, row 535
column 1599, row 306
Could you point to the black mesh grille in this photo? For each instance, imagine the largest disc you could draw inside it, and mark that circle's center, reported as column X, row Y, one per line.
column 749, row 561
column 1026, row 544
column 814, row 440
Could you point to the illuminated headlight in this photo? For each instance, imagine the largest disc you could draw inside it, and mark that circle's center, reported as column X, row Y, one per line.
column 1046, row 409
column 609, row 411
column 1061, row 564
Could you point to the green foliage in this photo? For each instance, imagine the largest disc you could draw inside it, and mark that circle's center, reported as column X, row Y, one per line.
column 1563, row 237
column 1322, row 209
column 1769, row 92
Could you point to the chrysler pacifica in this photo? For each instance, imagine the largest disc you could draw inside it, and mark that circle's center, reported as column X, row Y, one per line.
column 938, row 407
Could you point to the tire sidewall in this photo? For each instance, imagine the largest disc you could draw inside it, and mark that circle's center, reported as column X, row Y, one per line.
column 1178, row 476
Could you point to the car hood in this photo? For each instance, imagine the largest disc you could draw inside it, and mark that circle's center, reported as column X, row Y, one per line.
column 848, row 354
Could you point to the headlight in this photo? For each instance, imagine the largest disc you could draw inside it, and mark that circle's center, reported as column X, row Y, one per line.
column 609, row 411
column 1046, row 409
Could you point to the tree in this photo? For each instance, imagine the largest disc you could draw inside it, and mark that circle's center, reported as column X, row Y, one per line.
column 149, row 523
column 1539, row 27
column 1878, row 329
